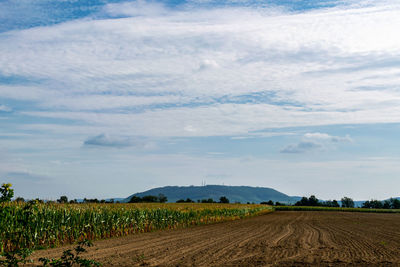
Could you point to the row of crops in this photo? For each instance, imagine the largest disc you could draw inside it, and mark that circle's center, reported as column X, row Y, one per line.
column 27, row 225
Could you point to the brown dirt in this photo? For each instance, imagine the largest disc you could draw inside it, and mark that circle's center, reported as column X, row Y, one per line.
column 276, row 239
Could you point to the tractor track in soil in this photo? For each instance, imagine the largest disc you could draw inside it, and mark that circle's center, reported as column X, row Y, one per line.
column 291, row 238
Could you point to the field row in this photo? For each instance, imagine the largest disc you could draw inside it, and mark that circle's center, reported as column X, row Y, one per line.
column 26, row 225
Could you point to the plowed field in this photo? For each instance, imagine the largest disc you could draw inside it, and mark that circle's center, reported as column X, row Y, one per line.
column 276, row 239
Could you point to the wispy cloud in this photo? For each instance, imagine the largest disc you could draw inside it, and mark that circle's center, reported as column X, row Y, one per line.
column 315, row 142
column 5, row 108
column 327, row 137
column 301, row 147
column 105, row 140
column 151, row 63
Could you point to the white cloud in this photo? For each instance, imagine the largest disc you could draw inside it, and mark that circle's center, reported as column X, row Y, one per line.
column 5, row 108
column 301, row 147
column 224, row 119
column 327, row 137
column 315, row 142
column 158, row 68
column 106, row 140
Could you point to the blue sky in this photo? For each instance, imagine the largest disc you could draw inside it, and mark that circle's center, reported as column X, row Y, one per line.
column 107, row 98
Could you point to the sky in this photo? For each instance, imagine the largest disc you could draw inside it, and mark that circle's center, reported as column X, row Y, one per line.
column 104, row 98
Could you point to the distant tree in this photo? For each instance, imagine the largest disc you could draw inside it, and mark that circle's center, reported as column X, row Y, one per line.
column 386, row 204
column 269, row 202
column 279, row 204
column 372, row 204
column 394, row 203
column 149, row 199
column 72, row 201
column 188, row 200
column 366, row 205
column 210, row 200
column 162, row 198
column 331, row 203
column 180, row 201
column 302, row 202
column 223, row 200
column 313, row 201
column 335, row 203
column 135, row 199
column 103, row 201
column 19, row 199
column 91, row 200
column 347, row 202
column 6, row 192
column 63, row 199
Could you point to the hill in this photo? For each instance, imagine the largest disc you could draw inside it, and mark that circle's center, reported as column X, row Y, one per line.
column 241, row 194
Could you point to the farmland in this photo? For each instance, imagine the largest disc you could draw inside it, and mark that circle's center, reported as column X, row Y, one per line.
column 282, row 238
column 311, row 208
column 27, row 225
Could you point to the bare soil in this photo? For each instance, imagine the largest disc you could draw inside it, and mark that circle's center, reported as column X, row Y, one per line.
column 276, row 239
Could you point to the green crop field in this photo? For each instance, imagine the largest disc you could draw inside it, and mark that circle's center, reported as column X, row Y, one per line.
column 24, row 225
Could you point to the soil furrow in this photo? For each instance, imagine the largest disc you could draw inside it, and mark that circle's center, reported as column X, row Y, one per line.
column 276, row 239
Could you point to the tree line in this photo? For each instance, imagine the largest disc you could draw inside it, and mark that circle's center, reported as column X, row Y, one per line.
column 346, row 202
column 222, row 199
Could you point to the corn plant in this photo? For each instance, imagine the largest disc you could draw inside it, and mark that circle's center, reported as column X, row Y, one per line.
column 35, row 225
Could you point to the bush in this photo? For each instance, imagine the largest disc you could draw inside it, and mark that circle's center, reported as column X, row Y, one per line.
column 223, row 200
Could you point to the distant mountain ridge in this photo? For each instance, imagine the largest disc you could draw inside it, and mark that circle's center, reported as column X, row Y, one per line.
column 241, row 194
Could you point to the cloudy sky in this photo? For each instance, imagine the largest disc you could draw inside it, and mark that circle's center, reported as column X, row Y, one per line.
column 105, row 98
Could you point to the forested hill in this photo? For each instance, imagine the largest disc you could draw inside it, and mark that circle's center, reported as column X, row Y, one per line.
column 241, row 194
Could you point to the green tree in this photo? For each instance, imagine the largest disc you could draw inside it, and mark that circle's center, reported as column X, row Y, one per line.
column 386, row 204
column 269, row 202
column 313, row 201
column 372, row 204
column 63, row 199
column 162, row 198
column 135, row 199
column 394, row 203
column 223, row 200
column 6, row 192
column 302, row 202
column 347, row 202
column 150, row 199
